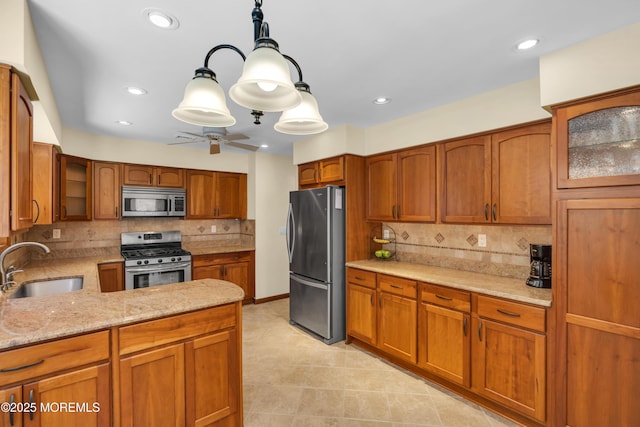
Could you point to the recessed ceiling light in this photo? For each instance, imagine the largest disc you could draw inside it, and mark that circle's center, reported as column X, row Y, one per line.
column 136, row 90
column 123, row 122
column 527, row 44
column 382, row 100
column 161, row 19
column 264, row 146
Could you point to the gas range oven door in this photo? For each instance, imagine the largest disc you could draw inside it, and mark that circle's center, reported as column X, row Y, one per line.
column 145, row 276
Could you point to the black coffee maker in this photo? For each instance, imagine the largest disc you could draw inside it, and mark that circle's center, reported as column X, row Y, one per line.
column 540, row 274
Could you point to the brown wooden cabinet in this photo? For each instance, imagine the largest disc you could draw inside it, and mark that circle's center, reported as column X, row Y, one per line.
column 235, row 267
column 509, row 355
column 67, row 370
column 106, row 190
column 43, row 175
column 182, row 370
column 152, row 176
column 75, row 197
column 16, row 139
column 361, row 302
column 401, row 186
column 322, row 172
column 216, row 195
column 397, row 317
column 444, row 338
column 111, row 276
column 503, row 177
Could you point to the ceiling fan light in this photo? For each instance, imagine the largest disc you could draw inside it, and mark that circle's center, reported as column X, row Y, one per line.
column 265, row 83
column 304, row 119
column 204, row 103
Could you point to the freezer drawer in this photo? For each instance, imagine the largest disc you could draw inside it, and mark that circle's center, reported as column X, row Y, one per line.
column 309, row 305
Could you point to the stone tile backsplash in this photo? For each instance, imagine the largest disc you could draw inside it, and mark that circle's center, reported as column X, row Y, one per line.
column 457, row 246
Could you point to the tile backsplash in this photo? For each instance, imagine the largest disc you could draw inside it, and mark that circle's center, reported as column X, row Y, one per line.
column 99, row 238
column 458, row 246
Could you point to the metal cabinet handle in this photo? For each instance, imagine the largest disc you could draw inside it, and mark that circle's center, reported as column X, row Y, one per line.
column 393, row 211
column 508, row 313
column 486, row 212
column 37, row 214
column 396, row 287
column 17, row 368
column 493, row 212
column 464, row 326
column 31, row 405
column 12, row 400
column 371, row 299
column 480, row 331
column 359, row 278
column 444, row 298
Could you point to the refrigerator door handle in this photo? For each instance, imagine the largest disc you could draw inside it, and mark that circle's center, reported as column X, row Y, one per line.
column 310, row 283
column 291, row 229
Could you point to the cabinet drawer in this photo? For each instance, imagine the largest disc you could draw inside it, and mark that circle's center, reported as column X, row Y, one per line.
column 514, row 313
column 221, row 258
column 361, row 277
column 42, row 359
column 397, row 286
column 175, row 328
column 446, row 297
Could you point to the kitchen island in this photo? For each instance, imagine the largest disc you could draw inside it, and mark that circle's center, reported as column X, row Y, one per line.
column 145, row 356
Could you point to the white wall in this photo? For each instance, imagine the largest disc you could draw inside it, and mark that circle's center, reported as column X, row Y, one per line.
column 275, row 177
column 602, row 64
column 339, row 140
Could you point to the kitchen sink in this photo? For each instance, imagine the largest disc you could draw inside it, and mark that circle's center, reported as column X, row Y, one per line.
column 47, row 287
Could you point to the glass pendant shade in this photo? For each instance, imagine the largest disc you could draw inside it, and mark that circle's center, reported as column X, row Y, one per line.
column 265, row 83
column 304, row 119
column 204, row 104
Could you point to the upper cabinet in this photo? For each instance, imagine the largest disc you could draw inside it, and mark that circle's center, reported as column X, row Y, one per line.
column 43, row 173
column 16, row 138
column 401, row 186
column 504, row 177
column 152, row 176
column 75, row 189
column 322, row 172
column 216, row 195
column 599, row 141
column 106, row 190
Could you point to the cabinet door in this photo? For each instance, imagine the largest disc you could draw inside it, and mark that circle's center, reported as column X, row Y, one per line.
column 200, row 194
column 308, row 174
column 238, row 273
column 444, row 343
column 89, row 389
column 137, row 175
column 21, row 142
column 361, row 313
column 509, row 366
column 331, row 170
column 152, row 388
column 417, row 185
column 169, row 177
column 213, row 379
column 208, row 272
column 106, row 191
column 465, row 193
column 381, row 187
column 111, row 276
column 75, row 189
column 397, row 322
column 12, row 396
column 43, row 162
column 231, row 195
column 521, row 181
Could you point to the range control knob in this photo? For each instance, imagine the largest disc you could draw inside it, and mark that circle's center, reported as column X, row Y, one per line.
column 146, row 261
column 159, row 260
column 139, row 262
column 179, row 258
column 173, row 260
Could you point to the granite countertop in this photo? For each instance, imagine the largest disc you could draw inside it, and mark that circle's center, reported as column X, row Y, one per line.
column 504, row 287
column 197, row 248
column 30, row 320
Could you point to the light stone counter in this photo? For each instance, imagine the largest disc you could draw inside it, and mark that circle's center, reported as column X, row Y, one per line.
column 198, row 248
column 504, row 287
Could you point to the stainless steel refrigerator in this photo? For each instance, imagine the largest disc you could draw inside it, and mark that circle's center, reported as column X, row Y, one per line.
column 316, row 246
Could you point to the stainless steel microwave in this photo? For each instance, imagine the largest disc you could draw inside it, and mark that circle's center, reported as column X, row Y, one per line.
column 153, row 201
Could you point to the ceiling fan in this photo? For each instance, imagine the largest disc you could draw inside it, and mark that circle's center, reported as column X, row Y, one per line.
column 215, row 136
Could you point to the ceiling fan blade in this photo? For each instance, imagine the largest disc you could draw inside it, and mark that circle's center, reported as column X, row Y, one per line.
column 243, row 146
column 199, row 135
column 214, row 148
column 236, row 136
column 191, row 141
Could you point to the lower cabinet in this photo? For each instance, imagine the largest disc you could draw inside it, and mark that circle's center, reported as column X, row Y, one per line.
column 235, row 267
column 111, row 276
column 494, row 349
column 42, row 377
column 182, row 370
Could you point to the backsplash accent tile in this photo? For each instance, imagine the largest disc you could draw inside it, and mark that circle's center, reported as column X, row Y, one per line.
column 405, row 235
column 506, row 254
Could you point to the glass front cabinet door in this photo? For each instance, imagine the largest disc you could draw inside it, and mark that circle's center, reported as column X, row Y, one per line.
column 599, row 141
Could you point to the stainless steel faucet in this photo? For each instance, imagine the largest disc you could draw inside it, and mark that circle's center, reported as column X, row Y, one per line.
column 6, row 276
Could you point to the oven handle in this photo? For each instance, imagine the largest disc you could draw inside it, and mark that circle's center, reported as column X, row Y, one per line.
column 158, row 267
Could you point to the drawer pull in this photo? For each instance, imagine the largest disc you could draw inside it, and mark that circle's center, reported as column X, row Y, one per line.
column 396, row 287
column 464, row 326
column 17, row 368
column 444, row 298
column 359, row 278
column 31, row 405
column 480, row 331
column 508, row 313
column 11, row 412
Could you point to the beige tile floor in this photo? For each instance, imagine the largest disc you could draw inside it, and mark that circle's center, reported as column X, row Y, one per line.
column 294, row 380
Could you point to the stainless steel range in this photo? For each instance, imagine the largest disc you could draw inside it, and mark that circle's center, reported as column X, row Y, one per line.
column 154, row 259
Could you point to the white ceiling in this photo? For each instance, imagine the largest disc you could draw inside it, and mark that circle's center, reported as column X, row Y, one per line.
column 419, row 53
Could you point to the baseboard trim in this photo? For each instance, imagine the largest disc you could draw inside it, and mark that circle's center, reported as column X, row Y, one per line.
column 271, row 298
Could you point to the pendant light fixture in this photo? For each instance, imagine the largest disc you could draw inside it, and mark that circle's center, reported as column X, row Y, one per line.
column 264, row 85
